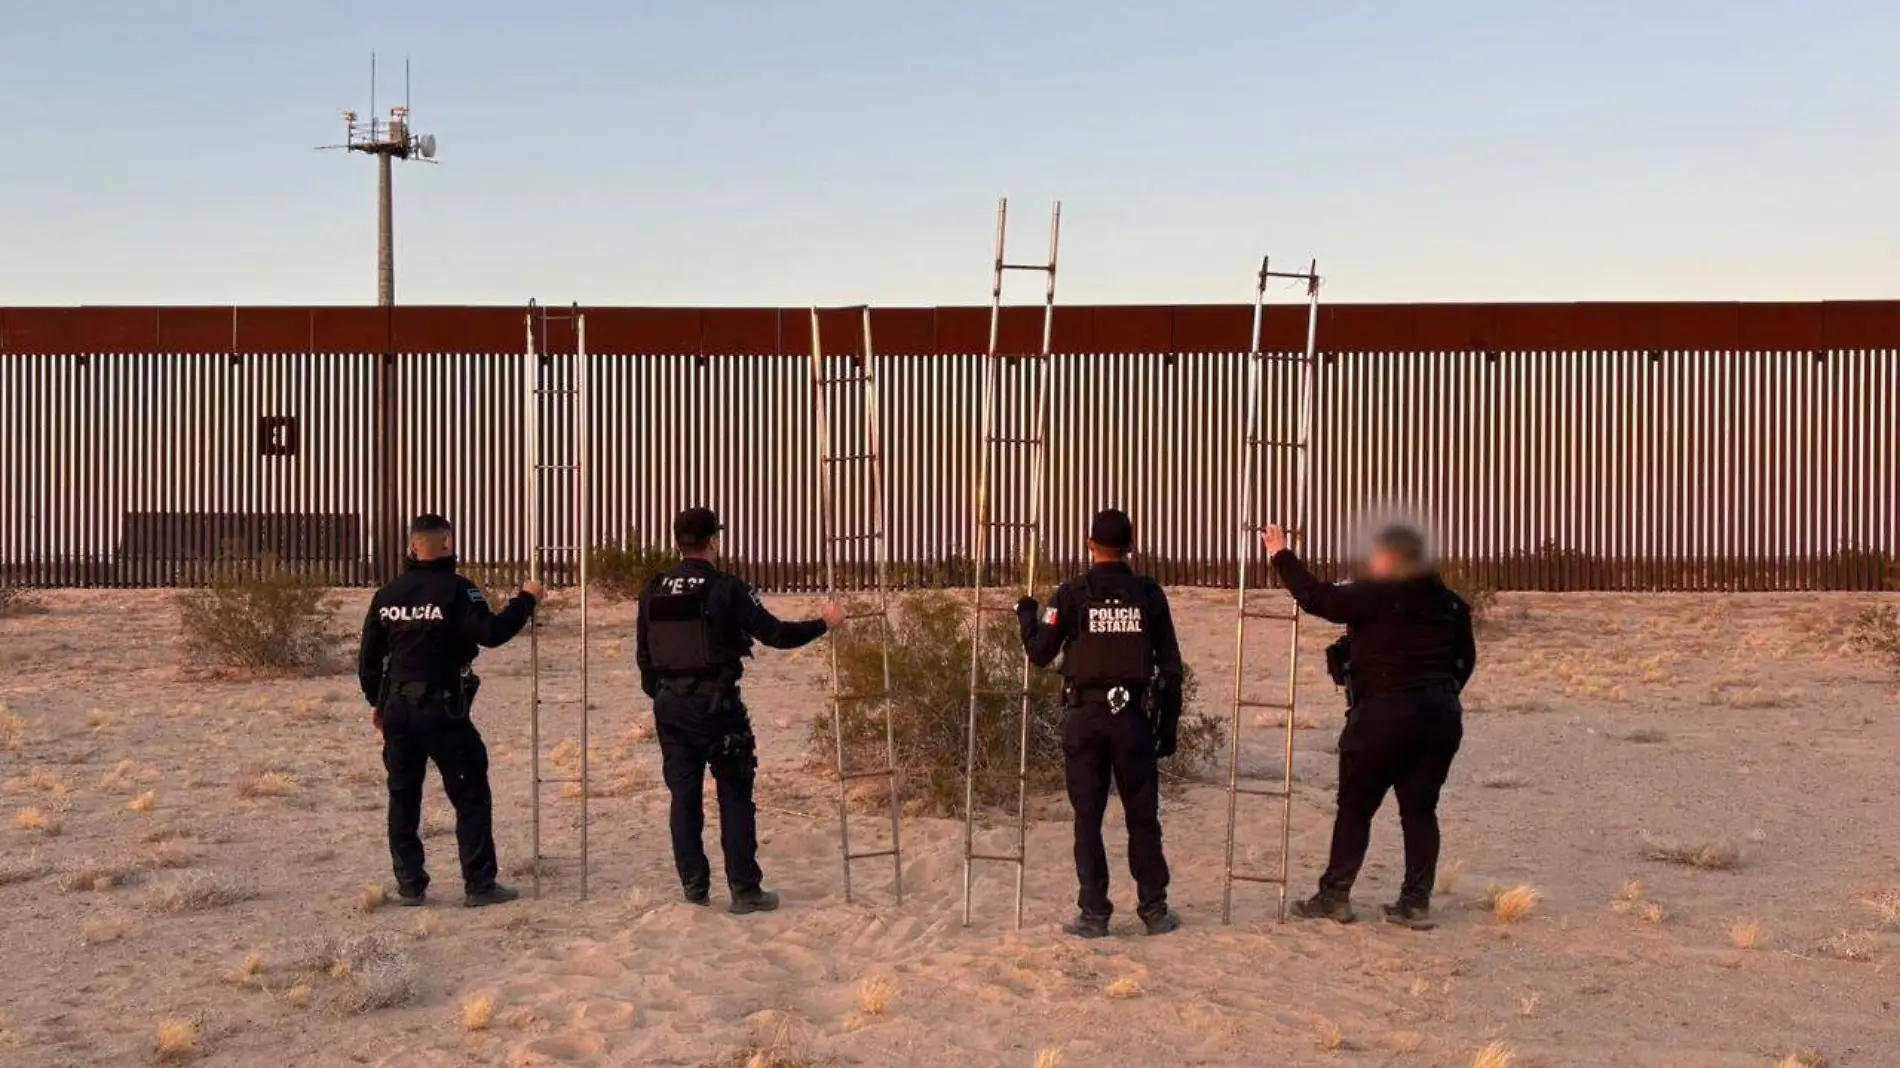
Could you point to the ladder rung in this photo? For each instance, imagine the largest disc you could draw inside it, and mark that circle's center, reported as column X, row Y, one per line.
column 557, row 782
column 1015, row 441
column 1001, row 693
column 1285, row 617
column 1304, row 276
column 1255, row 528
column 843, row 380
column 856, row 775
column 1026, row 266
column 1279, row 357
column 1259, row 791
column 1270, row 880
column 873, row 853
column 869, row 613
column 1275, row 444
column 1277, row 706
column 555, row 392
column 853, row 537
column 998, row 524
column 557, row 700
column 850, row 457
column 557, row 467
column 557, row 548
column 1001, row 858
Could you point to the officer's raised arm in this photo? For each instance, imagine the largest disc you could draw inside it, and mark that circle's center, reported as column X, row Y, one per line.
column 764, row 627
column 1329, row 601
column 487, row 628
column 371, row 651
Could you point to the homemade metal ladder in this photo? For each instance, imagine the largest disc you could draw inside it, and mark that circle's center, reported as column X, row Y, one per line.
column 850, row 394
column 1247, row 506
column 1028, row 524
column 557, row 467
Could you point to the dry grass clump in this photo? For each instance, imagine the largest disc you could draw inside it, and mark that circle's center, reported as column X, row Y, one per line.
column 22, row 868
column 1495, row 1055
column 477, row 1013
column 1512, row 905
column 383, row 985
column 1877, row 631
column 168, row 855
column 1049, row 1057
column 259, row 616
column 1806, row 1059
column 1628, row 897
column 373, row 897
column 19, row 601
column 565, row 755
column 1744, row 934
column 298, row 996
column 201, row 891
column 1640, row 736
column 98, row 930
column 426, row 924
column 785, row 1049
column 1329, row 1036
column 1885, row 904
column 40, row 781
column 1504, row 780
column 177, row 1040
column 1450, row 873
column 38, row 821
column 1856, row 946
column 119, row 776
column 268, row 784
column 12, row 730
column 1123, row 987
column 1652, row 913
column 97, row 876
column 144, row 802
column 875, row 995
column 247, row 972
column 1721, row 854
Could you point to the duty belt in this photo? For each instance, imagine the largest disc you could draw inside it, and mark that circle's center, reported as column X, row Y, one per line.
column 1117, row 698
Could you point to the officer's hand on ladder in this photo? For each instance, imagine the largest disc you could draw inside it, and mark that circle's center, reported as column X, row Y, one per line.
column 535, row 590
column 1273, row 539
column 1027, row 607
column 832, row 615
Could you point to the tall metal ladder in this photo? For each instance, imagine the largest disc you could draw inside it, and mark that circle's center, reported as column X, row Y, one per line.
column 1247, row 506
column 1028, row 525
column 855, row 391
column 557, row 465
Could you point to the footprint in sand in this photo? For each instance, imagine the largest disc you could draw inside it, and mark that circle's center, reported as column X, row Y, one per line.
column 558, row 1049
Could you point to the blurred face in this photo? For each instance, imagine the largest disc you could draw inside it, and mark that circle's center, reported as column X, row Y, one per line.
column 433, row 545
column 1383, row 563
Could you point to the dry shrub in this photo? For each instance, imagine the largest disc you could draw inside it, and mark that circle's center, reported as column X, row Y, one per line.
column 1049, row 1057
column 18, row 868
column 1123, row 987
column 168, row 855
column 1628, row 897
column 143, row 802
column 1329, row 1036
column 875, row 995
column 785, row 1049
column 39, row 821
column 620, row 572
column 268, row 784
column 426, row 924
column 930, row 652
column 1495, row 1055
column 246, row 973
column 478, row 1012
column 1876, row 631
column 1527, row 1004
column 12, row 730
column 259, row 616
column 1652, row 913
column 98, row 930
column 1857, row 946
column 387, row 984
column 1886, row 905
column 372, row 898
column 1505, row 780
column 201, row 891
column 177, row 1040
column 298, row 996
column 1450, row 873
column 1641, row 736
column 1721, row 854
column 88, row 874
column 1745, row 934
column 1806, row 1059
column 1512, row 905
column 17, row 600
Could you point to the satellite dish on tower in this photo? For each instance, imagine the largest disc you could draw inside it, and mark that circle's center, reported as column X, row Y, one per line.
column 425, row 146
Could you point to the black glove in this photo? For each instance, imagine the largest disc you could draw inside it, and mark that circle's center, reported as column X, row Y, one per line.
column 1027, row 607
column 1167, row 738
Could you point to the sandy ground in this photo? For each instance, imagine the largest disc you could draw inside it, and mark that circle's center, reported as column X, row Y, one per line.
column 1597, row 721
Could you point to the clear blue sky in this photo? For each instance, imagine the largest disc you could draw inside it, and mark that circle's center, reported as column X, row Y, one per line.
column 844, row 151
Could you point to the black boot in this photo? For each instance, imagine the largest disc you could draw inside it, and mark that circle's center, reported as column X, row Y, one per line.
column 1324, row 906
column 1160, row 923
column 1416, row 916
column 1087, row 926
column 410, row 900
column 494, row 895
column 745, row 902
column 696, row 895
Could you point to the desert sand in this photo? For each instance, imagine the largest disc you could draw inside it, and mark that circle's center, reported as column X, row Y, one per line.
column 1601, row 729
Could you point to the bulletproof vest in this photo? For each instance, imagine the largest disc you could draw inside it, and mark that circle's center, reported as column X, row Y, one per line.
column 1111, row 646
column 679, row 636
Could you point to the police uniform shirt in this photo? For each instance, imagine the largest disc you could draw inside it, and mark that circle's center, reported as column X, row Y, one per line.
column 428, row 625
column 1404, row 634
column 1113, row 602
column 733, row 617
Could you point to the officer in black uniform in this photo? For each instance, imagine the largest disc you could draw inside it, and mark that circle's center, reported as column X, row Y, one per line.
column 1407, row 654
column 420, row 640
column 695, row 628
column 1121, row 668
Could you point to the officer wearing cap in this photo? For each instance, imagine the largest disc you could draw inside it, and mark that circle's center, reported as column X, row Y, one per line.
column 1407, row 653
column 694, row 631
column 420, row 639
column 1121, row 667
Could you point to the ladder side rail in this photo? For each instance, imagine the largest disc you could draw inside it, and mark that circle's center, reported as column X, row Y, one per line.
column 828, row 524
column 583, row 541
column 532, row 391
column 1303, row 506
column 880, row 506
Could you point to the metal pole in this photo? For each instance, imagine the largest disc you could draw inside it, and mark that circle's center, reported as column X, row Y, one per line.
column 1245, row 516
column 582, row 540
column 1303, row 496
column 385, row 230
column 880, row 507
column 827, row 511
column 532, row 398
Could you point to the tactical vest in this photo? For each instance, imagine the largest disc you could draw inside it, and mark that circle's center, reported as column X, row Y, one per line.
column 679, row 637
column 1111, row 646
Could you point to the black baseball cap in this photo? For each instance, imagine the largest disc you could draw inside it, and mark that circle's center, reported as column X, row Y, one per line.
column 429, row 523
column 696, row 526
column 1112, row 529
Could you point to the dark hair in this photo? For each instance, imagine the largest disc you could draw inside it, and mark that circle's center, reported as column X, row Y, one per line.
column 1402, row 541
column 429, row 523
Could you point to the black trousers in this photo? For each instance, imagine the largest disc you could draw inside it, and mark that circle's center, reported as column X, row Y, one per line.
column 1098, row 745
column 1403, row 742
column 696, row 736
column 433, row 727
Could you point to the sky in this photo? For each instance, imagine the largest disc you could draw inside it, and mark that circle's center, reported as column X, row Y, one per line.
column 756, row 152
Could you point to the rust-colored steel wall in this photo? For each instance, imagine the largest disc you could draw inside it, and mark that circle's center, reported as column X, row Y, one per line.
column 1700, row 446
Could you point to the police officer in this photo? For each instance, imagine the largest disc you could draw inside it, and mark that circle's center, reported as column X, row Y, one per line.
column 1408, row 652
column 1121, row 668
column 420, row 639
column 695, row 628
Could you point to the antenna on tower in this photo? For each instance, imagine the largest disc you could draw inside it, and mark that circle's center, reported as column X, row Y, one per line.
column 387, row 141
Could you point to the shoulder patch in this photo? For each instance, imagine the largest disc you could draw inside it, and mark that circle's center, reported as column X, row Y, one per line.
column 1049, row 617
column 754, row 594
column 475, row 594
